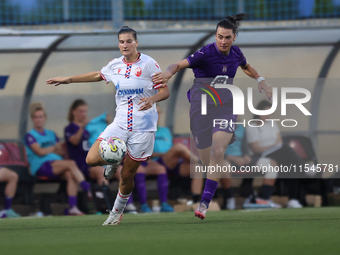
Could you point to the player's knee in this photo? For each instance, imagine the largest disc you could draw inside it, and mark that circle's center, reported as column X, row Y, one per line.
column 161, row 169
column 179, row 147
column 68, row 175
column 217, row 152
column 14, row 177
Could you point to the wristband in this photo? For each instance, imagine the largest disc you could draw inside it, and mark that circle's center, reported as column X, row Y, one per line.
column 260, row 79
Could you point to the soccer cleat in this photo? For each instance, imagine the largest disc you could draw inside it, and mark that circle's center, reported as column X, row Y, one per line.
column 165, row 207
column 145, row 208
column 109, row 171
column 3, row 214
column 201, row 211
column 113, row 219
column 12, row 214
column 74, row 211
column 293, row 203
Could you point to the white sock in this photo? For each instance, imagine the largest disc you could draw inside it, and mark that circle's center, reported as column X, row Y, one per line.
column 120, row 202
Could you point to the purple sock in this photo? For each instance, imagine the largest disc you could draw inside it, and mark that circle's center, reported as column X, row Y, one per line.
column 130, row 200
column 140, row 187
column 8, row 202
column 85, row 186
column 162, row 186
column 209, row 191
column 72, row 201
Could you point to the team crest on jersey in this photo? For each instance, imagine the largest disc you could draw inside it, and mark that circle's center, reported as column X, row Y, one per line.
column 138, row 71
column 224, row 70
column 156, row 65
column 119, row 70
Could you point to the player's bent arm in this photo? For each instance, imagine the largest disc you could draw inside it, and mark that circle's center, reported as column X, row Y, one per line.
column 170, row 71
column 250, row 71
column 42, row 151
column 87, row 77
column 262, row 84
column 163, row 93
column 76, row 138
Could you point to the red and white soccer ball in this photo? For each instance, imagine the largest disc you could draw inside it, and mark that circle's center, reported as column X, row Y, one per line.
column 112, row 150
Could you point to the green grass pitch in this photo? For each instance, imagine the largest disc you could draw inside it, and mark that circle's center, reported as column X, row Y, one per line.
column 286, row 231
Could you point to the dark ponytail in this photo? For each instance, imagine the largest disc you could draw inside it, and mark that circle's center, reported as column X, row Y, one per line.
column 231, row 22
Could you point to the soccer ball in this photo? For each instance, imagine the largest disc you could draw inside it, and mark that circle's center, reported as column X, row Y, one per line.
column 112, row 150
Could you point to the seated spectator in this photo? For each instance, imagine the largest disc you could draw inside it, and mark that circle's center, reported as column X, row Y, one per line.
column 77, row 141
column 11, row 177
column 152, row 168
column 266, row 141
column 44, row 156
column 238, row 155
column 176, row 158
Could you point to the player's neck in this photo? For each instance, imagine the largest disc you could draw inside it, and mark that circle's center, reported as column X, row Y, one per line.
column 39, row 129
column 132, row 58
column 225, row 53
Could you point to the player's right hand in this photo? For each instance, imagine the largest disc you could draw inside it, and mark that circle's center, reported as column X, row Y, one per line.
column 160, row 78
column 59, row 80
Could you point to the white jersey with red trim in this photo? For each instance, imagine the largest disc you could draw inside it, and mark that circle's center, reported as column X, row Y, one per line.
column 133, row 81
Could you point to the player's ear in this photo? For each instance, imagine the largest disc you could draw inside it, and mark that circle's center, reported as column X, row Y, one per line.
column 234, row 38
column 136, row 43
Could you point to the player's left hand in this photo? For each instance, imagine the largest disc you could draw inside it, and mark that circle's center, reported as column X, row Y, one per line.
column 264, row 85
column 148, row 102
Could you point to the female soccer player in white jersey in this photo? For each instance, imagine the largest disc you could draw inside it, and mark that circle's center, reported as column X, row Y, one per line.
column 217, row 59
column 136, row 115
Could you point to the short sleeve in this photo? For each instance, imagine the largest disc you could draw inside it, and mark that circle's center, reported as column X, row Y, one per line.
column 106, row 72
column 69, row 131
column 197, row 59
column 29, row 140
column 252, row 134
column 154, row 68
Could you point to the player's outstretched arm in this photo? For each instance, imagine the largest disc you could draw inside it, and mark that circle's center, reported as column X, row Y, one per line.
column 163, row 93
column 87, row 77
column 252, row 73
column 170, row 71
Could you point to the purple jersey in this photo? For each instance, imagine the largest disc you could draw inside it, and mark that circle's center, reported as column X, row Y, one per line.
column 209, row 62
column 77, row 152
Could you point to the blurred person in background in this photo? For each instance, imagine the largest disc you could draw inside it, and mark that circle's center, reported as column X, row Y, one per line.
column 266, row 141
column 11, row 178
column 237, row 154
column 77, row 141
column 44, row 156
column 212, row 64
column 176, row 158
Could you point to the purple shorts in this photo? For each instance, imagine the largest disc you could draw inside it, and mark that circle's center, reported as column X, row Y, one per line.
column 218, row 118
column 45, row 171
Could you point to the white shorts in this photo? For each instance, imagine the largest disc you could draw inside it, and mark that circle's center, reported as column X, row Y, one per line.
column 139, row 144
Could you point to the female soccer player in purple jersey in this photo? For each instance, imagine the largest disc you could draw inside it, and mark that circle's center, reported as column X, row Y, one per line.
column 217, row 59
column 136, row 116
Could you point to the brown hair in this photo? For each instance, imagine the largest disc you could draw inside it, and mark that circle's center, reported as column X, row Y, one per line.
column 231, row 22
column 36, row 106
column 127, row 29
column 74, row 105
